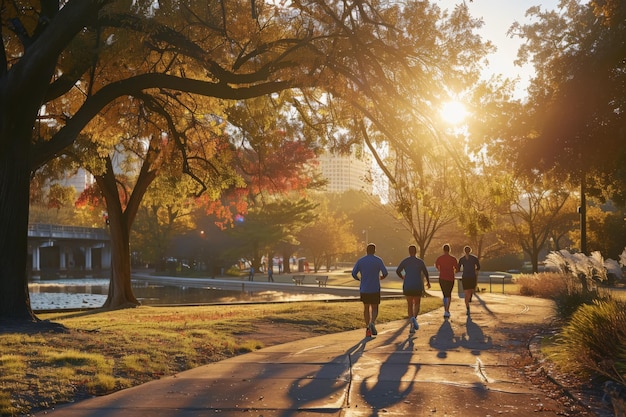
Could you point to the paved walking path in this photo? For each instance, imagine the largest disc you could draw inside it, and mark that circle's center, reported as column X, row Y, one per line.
column 457, row 367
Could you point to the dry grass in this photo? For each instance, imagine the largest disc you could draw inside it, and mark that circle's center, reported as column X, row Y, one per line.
column 101, row 352
column 543, row 285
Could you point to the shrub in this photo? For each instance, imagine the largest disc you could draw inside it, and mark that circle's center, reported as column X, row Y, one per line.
column 594, row 340
column 567, row 303
column 543, row 285
column 233, row 271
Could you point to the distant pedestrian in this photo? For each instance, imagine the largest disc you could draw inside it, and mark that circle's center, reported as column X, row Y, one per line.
column 370, row 269
column 470, row 266
column 251, row 274
column 447, row 265
column 270, row 270
column 415, row 271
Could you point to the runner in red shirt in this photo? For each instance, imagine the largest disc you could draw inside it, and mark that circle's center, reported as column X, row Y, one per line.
column 447, row 266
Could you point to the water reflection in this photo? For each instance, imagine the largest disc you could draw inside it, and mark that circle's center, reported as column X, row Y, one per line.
column 68, row 294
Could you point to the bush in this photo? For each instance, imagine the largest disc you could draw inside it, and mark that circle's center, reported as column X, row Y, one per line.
column 233, row 271
column 543, row 285
column 565, row 289
column 567, row 303
column 594, row 340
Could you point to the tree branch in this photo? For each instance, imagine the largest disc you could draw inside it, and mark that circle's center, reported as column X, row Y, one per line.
column 45, row 150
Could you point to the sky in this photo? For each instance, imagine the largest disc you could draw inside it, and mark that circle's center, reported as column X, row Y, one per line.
column 498, row 15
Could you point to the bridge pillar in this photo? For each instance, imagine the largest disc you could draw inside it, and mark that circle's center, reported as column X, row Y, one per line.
column 36, row 259
column 88, row 263
column 62, row 259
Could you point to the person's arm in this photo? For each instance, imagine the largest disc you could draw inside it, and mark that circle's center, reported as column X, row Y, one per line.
column 425, row 270
column 383, row 270
column 355, row 272
column 477, row 264
column 399, row 270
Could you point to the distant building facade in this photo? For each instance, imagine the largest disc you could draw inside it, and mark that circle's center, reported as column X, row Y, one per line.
column 346, row 172
column 81, row 180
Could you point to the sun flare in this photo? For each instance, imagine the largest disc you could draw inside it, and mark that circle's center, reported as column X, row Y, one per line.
column 453, row 112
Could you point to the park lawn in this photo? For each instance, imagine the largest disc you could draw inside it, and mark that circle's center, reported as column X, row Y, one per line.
column 103, row 351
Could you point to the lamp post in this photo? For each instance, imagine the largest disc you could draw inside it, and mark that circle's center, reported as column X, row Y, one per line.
column 582, row 210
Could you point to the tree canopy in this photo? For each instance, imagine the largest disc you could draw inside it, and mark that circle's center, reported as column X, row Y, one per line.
column 371, row 66
column 576, row 103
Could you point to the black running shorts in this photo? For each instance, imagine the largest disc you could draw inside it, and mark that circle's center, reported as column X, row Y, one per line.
column 370, row 297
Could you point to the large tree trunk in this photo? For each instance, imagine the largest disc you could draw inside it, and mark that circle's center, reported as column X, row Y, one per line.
column 17, row 118
column 120, row 289
column 23, row 87
column 14, row 191
column 120, row 221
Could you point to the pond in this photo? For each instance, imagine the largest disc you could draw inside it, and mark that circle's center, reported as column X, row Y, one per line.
column 92, row 293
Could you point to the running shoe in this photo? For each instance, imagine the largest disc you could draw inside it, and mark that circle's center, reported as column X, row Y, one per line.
column 415, row 325
column 368, row 332
column 411, row 329
column 468, row 312
column 373, row 329
column 446, row 315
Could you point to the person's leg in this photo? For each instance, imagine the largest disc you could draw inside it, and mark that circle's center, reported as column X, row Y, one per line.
column 374, row 314
column 413, row 302
column 446, row 289
column 409, row 307
column 366, row 314
column 468, row 296
column 469, row 284
column 416, row 306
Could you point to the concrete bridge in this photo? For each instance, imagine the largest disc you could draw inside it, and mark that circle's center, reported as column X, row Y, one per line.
column 67, row 251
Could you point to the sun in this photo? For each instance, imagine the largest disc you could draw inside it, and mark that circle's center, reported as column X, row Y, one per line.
column 453, row 112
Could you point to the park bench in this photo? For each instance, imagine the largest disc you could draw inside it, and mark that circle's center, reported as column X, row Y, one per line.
column 298, row 279
column 494, row 277
column 321, row 280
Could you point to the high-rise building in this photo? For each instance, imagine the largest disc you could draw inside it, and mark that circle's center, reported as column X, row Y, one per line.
column 346, row 172
column 81, row 180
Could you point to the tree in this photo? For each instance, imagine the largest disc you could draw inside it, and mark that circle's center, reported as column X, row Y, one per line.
column 61, row 64
column 482, row 202
column 574, row 119
column 55, row 206
column 166, row 210
column 265, row 226
column 534, row 209
column 607, row 228
column 329, row 237
column 578, row 91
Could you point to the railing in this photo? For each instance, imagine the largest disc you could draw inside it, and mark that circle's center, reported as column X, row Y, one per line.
column 70, row 232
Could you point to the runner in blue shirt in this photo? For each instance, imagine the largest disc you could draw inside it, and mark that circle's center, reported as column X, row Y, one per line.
column 414, row 270
column 370, row 269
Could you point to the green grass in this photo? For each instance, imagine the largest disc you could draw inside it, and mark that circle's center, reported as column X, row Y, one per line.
column 106, row 351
